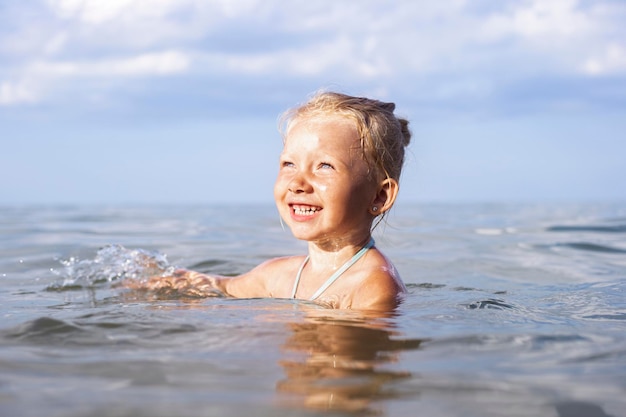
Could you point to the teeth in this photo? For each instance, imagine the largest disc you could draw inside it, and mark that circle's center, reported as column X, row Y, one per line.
column 305, row 210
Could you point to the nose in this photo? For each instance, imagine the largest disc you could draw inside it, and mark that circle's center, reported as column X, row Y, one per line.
column 299, row 183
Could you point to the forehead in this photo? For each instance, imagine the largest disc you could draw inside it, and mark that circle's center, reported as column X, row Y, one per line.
column 323, row 130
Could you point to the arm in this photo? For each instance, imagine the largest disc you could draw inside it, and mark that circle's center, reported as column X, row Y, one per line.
column 252, row 284
column 182, row 282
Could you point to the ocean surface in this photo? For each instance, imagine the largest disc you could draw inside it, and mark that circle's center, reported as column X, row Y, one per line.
column 513, row 310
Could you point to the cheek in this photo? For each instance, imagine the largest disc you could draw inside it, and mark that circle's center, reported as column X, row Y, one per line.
column 277, row 195
column 278, row 187
column 365, row 193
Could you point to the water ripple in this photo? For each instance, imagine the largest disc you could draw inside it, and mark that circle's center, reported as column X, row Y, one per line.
column 620, row 228
column 491, row 303
column 584, row 246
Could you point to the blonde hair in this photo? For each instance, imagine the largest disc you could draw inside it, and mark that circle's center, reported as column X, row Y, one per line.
column 383, row 135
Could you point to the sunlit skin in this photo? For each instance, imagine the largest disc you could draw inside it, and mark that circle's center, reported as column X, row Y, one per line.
column 326, row 193
column 324, row 190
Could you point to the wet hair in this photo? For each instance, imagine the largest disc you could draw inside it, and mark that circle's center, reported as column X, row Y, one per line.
column 384, row 136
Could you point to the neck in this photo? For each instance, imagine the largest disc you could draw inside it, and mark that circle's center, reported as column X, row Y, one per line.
column 325, row 255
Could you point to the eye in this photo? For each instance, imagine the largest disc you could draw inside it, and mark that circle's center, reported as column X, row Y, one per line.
column 325, row 165
column 286, row 164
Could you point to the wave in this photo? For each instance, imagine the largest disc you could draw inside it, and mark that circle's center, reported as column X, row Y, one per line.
column 105, row 329
column 620, row 228
column 43, row 326
column 606, row 316
column 592, row 247
column 490, row 303
column 582, row 246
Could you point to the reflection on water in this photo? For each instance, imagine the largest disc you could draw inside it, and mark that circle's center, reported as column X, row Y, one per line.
column 341, row 364
column 334, row 361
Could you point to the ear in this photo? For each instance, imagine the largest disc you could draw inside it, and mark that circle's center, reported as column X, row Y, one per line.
column 385, row 197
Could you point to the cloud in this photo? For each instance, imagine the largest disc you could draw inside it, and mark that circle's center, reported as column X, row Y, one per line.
column 77, row 74
column 38, row 78
column 540, row 19
column 16, row 93
column 610, row 61
column 444, row 51
column 99, row 12
column 307, row 61
column 148, row 64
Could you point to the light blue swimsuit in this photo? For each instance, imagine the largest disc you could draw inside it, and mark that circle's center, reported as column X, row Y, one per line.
column 334, row 276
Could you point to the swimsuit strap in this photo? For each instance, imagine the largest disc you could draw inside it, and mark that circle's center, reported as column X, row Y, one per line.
column 334, row 276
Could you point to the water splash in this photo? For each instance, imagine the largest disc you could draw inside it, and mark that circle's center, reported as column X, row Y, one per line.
column 112, row 263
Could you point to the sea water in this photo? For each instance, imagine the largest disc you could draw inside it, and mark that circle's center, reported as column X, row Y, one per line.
column 512, row 310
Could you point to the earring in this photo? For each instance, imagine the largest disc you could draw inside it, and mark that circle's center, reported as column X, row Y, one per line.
column 374, row 208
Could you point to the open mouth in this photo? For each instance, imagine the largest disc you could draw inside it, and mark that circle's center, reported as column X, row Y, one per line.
column 304, row 210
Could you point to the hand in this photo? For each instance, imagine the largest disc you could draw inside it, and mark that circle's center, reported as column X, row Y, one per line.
column 182, row 282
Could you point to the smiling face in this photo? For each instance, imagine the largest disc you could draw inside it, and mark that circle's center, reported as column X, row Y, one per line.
column 323, row 190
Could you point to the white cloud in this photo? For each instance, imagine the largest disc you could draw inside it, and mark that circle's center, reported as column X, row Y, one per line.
column 39, row 77
column 557, row 38
column 540, row 19
column 611, row 61
column 314, row 60
column 16, row 93
column 392, row 44
column 98, row 12
column 159, row 63
column 55, row 44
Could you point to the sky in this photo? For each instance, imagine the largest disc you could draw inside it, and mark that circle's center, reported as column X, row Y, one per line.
column 176, row 101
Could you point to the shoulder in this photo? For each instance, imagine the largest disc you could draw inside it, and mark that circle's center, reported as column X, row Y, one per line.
column 269, row 279
column 381, row 287
column 280, row 264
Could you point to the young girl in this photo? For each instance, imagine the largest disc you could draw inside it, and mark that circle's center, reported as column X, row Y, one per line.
column 338, row 176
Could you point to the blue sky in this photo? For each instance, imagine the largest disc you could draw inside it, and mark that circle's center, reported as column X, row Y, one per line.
column 176, row 101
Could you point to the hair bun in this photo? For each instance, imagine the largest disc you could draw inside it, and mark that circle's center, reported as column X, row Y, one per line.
column 406, row 132
column 390, row 107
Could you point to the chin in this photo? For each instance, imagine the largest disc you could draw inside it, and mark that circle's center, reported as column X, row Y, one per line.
column 301, row 235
